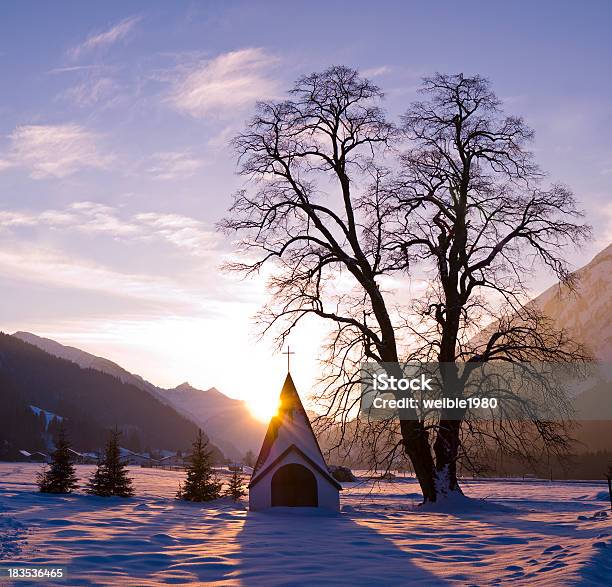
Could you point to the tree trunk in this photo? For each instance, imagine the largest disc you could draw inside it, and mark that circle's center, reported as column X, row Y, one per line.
column 446, row 449
column 416, row 446
column 446, row 445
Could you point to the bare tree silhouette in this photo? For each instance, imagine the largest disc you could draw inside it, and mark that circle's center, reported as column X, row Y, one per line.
column 337, row 213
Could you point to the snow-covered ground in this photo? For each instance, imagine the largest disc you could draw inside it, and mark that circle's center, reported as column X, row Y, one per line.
column 523, row 533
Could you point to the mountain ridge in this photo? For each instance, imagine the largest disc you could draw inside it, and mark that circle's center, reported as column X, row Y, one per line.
column 91, row 401
column 224, row 419
column 585, row 310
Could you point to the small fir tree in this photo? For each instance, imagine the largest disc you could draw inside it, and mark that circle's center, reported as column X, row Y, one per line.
column 235, row 490
column 60, row 477
column 111, row 478
column 200, row 483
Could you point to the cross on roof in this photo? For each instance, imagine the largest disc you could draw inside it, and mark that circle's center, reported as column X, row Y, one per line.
column 288, row 352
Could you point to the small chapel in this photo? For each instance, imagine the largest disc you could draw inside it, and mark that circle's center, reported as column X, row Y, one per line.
column 290, row 470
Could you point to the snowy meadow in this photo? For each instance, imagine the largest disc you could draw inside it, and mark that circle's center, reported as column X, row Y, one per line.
column 510, row 532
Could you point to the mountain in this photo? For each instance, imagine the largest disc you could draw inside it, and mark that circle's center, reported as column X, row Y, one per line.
column 88, row 361
column 227, row 422
column 34, row 383
column 587, row 311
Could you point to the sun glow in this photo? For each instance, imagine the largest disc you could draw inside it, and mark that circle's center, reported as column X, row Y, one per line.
column 263, row 407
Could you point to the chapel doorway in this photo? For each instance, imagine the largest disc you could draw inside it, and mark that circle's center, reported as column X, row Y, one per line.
column 294, row 485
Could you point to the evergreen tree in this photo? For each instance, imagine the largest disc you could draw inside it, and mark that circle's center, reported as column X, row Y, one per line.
column 200, row 484
column 235, row 489
column 60, row 477
column 110, row 478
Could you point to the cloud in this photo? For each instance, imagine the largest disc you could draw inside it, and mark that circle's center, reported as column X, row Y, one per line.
column 91, row 91
column 94, row 83
column 106, row 38
column 52, row 267
column 27, row 259
column 223, row 137
column 75, row 68
column 376, row 71
column 181, row 231
column 225, row 83
column 55, row 150
column 6, row 164
column 93, row 218
column 10, row 219
column 173, row 165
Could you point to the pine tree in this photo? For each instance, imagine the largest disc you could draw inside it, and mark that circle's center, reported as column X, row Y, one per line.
column 60, row 477
column 111, row 478
column 200, row 484
column 235, row 489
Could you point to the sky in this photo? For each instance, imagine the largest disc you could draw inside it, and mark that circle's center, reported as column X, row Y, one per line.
column 115, row 120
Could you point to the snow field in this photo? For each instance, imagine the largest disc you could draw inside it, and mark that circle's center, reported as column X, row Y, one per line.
column 509, row 532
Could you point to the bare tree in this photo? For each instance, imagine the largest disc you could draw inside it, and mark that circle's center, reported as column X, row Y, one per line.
column 469, row 199
column 335, row 224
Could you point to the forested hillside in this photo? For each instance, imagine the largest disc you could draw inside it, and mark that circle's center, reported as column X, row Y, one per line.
column 90, row 401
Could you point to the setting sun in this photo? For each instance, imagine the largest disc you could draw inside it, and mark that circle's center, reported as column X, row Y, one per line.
column 263, row 407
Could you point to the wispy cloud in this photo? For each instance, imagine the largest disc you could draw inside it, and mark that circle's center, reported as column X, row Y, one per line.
column 16, row 218
column 173, row 165
column 92, row 91
column 55, row 268
column 6, row 164
column 93, row 217
column 223, row 137
column 223, row 84
column 55, row 150
column 92, row 84
column 376, row 71
column 183, row 232
column 75, row 68
column 105, row 38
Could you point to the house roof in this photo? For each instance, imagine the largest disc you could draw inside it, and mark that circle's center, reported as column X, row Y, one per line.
column 290, row 429
column 261, row 474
